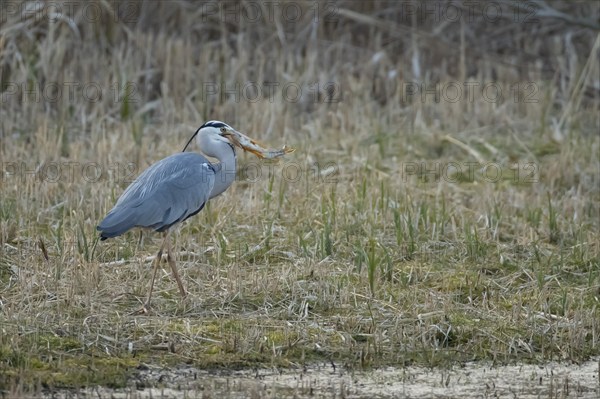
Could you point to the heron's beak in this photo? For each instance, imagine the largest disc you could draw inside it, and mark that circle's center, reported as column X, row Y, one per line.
column 253, row 146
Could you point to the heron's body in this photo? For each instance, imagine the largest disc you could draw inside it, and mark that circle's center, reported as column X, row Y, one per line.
column 167, row 193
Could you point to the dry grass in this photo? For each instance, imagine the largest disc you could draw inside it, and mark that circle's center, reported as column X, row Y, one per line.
column 365, row 247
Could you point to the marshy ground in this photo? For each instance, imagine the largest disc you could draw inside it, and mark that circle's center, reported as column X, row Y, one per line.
column 469, row 380
column 440, row 216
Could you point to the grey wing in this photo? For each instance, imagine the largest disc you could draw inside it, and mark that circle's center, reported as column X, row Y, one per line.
column 166, row 193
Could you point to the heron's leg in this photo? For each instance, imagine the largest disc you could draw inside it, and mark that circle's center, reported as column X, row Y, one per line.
column 171, row 261
column 156, row 264
column 140, row 241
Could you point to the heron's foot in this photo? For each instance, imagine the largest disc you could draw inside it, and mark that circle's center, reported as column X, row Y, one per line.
column 146, row 310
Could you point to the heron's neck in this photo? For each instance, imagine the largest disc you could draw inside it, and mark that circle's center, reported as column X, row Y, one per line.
column 225, row 170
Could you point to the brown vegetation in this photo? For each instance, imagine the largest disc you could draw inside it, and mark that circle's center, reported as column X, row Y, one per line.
column 424, row 218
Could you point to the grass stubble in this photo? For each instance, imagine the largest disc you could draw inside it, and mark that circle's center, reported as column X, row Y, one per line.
column 364, row 248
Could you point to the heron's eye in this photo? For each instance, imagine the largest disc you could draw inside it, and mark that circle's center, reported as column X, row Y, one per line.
column 223, row 130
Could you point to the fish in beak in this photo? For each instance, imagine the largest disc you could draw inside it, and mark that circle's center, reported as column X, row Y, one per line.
column 250, row 145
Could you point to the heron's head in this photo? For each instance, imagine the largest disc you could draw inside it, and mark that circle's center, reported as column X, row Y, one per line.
column 216, row 132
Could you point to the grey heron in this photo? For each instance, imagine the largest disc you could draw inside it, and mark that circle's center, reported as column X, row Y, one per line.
column 178, row 187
